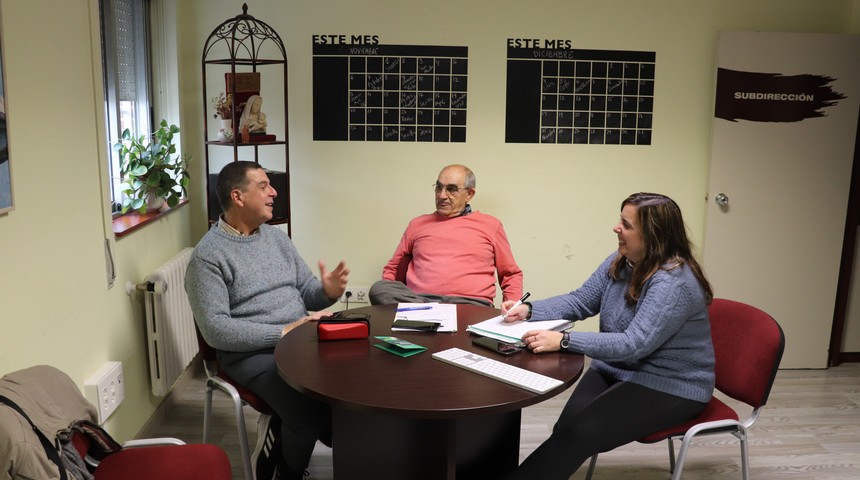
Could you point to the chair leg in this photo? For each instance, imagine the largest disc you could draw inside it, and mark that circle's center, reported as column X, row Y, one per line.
column 591, row 465
column 745, row 456
column 682, row 456
column 671, row 454
column 243, row 440
column 207, row 413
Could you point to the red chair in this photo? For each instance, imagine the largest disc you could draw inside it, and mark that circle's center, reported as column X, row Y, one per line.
column 217, row 378
column 748, row 344
column 161, row 458
column 44, row 399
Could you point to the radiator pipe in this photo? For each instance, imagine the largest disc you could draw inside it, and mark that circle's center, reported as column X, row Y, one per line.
column 151, row 287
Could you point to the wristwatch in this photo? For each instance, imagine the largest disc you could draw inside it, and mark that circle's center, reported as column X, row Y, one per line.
column 565, row 341
column 529, row 315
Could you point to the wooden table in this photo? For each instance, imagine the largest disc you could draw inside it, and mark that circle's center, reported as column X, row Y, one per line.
column 416, row 417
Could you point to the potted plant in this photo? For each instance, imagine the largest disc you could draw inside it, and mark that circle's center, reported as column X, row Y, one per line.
column 151, row 170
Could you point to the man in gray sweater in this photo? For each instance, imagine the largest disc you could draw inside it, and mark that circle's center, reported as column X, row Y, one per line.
column 248, row 287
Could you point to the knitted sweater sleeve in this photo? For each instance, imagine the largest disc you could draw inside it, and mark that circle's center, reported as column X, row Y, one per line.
column 627, row 333
column 662, row 341
column 579, row 304
column 243, row 290
column 662, row 310
column 210, row 303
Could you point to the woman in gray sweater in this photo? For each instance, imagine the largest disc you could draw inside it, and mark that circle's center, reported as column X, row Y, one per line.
column 652, row 363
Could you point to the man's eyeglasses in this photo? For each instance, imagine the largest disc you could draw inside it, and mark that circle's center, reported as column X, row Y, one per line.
column 452, row 189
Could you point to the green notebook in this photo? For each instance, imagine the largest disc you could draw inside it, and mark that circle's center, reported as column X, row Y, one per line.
column 399, row 347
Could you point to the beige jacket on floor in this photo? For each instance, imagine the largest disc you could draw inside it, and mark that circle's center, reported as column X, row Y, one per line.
column 52, row 401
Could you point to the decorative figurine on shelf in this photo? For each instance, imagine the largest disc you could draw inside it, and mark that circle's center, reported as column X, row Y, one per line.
column 224, row 111
column 252, row 117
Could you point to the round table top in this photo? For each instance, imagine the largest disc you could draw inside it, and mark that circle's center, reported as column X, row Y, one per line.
column 355, row 375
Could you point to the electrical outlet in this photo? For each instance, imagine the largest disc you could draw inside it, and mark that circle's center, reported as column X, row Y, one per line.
column 106, row 389
column 355, row 295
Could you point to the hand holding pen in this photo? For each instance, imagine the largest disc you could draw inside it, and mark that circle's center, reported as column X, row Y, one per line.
column 507, row 315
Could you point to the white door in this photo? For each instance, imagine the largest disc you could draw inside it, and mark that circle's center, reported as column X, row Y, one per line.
column 776, row 243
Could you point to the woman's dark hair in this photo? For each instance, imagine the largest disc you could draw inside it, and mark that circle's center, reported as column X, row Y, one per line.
column 666, row 245
column 233, row 176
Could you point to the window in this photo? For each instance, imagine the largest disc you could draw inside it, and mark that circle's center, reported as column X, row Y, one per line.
column 127, row 76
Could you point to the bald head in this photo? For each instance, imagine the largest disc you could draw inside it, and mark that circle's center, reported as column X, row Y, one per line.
column 455, row 187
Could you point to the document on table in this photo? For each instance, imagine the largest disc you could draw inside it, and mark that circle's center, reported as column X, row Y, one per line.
column 445, row 314
column 513, row 332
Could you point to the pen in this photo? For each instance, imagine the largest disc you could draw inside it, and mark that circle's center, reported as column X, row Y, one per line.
column 410, row 309
column 518, row 303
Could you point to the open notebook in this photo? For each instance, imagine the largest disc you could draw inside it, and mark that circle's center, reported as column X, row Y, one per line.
column 513, row 332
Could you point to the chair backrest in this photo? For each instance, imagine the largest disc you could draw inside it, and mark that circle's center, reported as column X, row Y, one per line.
column 208, row 353
column 206, row 350
column 748, row 345
column 213, row 369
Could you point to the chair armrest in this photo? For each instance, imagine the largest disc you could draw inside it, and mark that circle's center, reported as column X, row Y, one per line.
column 716, row 426
column 148, row 442
column 143, row 442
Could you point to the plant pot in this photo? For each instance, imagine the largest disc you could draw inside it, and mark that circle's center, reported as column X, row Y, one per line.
column 154, row 203
column 225, row 133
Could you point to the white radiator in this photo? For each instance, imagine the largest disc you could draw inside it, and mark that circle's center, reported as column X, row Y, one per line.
column 172, row 340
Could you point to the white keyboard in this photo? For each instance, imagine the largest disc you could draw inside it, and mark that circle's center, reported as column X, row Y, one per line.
column 516, row 376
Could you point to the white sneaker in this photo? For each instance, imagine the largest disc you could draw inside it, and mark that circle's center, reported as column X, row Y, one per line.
column 267, row 452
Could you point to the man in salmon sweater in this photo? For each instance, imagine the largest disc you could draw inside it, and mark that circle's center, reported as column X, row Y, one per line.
column 455, row 252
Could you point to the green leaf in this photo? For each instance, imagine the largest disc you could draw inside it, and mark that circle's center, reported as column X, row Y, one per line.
column 138, row 171
column 153, row 180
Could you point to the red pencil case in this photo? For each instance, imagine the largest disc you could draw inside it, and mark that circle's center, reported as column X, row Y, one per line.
column 343, row 327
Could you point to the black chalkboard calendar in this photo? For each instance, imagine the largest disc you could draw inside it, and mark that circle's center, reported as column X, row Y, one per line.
column 400, row 93
column 569, row 96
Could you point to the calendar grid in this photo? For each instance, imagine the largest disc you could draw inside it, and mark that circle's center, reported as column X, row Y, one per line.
column 398, row 93
column 592, row 98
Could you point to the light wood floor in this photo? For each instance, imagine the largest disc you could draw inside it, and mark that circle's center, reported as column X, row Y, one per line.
column 810, row 429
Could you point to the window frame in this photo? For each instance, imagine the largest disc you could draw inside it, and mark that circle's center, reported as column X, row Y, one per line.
column 156, row 43
column 119, row 112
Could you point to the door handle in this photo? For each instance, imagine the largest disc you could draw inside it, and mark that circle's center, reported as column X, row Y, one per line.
column 722, row 200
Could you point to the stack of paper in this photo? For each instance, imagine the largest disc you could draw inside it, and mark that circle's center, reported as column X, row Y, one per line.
column 445, row 314
column 513, row 332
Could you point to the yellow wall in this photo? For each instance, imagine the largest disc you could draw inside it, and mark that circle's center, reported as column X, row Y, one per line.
column 351, row 200
column 56, row 307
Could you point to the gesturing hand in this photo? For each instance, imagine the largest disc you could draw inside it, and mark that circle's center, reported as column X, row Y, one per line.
column 334, row 282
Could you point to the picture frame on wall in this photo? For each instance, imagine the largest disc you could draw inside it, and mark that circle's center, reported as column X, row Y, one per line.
column 6, row 202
